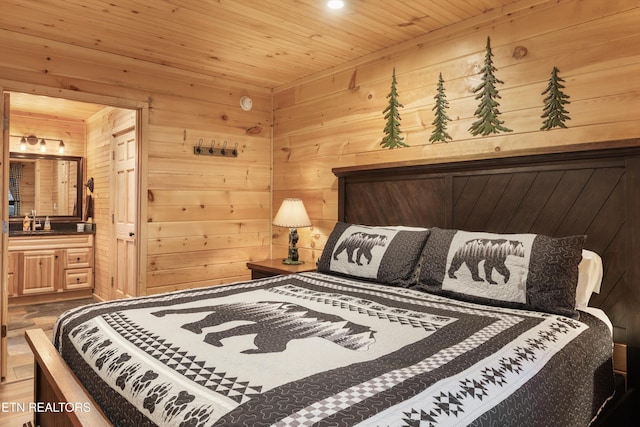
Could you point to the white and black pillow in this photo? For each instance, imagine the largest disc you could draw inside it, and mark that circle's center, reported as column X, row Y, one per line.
column 384, row 254
column 516, row 270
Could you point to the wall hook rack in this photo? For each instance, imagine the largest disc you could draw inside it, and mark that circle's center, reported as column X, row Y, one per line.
column 215, row 150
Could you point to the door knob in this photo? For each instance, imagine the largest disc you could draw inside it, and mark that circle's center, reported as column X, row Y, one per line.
column 131, row 234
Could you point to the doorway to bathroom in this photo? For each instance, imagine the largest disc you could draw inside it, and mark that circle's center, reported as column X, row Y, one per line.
column 103, row 128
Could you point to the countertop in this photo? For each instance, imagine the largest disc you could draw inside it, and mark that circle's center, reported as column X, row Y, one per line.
column 57, row 229
column 20, row 233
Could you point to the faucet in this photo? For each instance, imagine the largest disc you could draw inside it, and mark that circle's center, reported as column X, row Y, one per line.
column 34, row 223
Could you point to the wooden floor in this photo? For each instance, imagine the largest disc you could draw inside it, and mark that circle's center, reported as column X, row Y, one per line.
column 16, row 393
column 16, row 397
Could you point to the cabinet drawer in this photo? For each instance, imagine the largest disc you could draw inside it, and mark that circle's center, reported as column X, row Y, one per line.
column 78, row 278
column 78, row 257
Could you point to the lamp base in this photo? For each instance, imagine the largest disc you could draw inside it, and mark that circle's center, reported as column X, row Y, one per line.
column 291, row 262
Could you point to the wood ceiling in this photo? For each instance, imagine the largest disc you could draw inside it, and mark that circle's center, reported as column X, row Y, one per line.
column 266, row 43
column 53, row 107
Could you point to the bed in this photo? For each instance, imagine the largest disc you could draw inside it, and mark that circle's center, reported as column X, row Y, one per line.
column 402, row 324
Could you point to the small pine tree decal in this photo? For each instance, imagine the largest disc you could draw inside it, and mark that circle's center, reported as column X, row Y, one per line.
column 487, row 111
column 439, row 133
column 392, row 130
column 554, row 113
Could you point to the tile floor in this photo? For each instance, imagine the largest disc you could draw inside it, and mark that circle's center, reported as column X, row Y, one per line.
column 21, row 318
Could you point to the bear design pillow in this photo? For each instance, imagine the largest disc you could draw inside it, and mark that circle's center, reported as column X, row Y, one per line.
column 530, row 271
column 385, row 254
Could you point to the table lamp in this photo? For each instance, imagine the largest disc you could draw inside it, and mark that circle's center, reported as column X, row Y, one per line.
column 292, row 215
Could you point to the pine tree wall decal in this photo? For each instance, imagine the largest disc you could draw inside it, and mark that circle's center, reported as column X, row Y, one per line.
column 439, row 133
column 554, row 112
column 392, row 138
column 487, row 112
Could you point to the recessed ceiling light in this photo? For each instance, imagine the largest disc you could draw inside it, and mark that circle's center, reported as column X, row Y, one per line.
column 335, row 4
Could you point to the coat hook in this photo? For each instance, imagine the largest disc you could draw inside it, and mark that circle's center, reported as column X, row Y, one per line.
column 215, row 149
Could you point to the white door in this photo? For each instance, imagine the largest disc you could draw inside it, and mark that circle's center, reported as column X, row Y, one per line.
column 125, row 211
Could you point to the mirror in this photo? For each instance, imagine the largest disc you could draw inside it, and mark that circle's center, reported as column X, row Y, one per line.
column 51, row 185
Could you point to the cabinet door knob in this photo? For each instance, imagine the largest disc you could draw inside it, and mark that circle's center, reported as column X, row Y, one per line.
column 131, row 234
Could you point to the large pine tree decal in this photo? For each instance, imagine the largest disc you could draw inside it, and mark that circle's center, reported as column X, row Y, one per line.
column 554, row 112
column 392, row 138
column 487, row 112
column 439, row 133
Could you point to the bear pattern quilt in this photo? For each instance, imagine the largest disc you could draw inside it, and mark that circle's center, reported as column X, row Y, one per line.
column 316, row 349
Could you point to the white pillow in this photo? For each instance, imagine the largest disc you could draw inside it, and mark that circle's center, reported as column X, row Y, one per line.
column 406, row 228
column 589, row 278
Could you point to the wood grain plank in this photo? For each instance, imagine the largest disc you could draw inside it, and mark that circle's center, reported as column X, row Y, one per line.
column 537, row 196
column 596, row 191
column 64, row 386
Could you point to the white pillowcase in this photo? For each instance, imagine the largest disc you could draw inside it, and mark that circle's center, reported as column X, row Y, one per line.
column 589, row 278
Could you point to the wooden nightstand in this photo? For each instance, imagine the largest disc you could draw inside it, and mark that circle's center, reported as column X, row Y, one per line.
column 620, row 360
column 274, row 267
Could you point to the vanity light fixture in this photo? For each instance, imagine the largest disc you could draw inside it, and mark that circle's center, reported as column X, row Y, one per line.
column 42, row 143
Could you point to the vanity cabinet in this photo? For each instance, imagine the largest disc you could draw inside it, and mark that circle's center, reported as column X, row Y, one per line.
column 48, row 268
column 38, row 271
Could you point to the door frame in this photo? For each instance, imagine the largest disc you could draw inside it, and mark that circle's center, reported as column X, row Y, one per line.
column 4, row 240
column 142, row 133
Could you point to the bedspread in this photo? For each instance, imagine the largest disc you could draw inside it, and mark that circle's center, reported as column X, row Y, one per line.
column 316, row 349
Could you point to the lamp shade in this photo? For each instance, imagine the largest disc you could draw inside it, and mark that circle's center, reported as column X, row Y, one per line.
column 292, row 214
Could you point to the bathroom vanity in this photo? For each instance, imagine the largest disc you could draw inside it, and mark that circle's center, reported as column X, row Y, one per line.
column 55, row 264
column 49, row 266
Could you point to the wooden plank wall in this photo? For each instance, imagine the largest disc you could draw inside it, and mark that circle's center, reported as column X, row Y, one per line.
column 206, row 216
column 335, row 119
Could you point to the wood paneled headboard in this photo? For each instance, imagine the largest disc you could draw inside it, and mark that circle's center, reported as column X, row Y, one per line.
column 594, row 192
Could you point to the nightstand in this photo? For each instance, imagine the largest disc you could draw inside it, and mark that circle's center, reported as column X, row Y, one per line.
column 274, row 267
